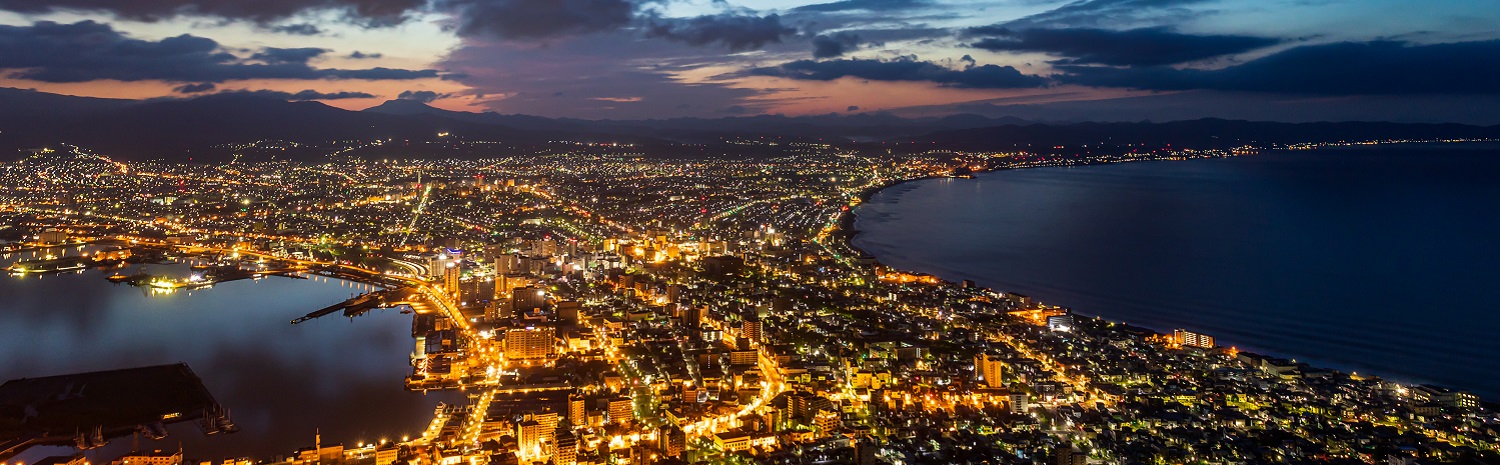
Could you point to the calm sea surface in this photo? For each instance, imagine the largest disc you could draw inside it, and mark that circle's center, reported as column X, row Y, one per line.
column 282, row 383
column 1383, row 261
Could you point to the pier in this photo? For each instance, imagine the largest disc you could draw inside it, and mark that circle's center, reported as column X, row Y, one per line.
column 212, row 275
column 87, row 409
column 363, row 303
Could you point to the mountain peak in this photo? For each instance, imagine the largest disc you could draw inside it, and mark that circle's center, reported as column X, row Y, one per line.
column 403, row 107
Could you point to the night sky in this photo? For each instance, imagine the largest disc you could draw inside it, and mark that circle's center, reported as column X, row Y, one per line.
column 1290, row 60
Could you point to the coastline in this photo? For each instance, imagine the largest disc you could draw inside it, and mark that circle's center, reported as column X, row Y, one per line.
column 375, row 365
column 847, row 232
column 844, row 227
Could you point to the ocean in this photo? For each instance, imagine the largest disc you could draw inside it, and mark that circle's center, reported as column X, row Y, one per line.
column 1380, row 260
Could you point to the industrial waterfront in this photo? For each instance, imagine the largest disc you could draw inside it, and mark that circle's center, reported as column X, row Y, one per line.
column 282, row 382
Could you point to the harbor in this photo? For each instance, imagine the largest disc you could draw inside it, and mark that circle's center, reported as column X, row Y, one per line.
column 361, row 304
column 65, row 410
column 110, row 257
column 281, row 381
column 205, row 276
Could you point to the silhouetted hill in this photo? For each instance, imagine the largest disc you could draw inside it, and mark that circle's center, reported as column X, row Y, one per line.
column 26, row 110
column 53, row 104
column 177, row 128
column 537, row 123
column 860, row 126
column 1202, row 133
column 181, row 128
column 830, row 127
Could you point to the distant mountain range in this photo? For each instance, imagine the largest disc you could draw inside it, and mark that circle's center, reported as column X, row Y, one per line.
column 856, row 127
column 180, row 128
column 1201, row 133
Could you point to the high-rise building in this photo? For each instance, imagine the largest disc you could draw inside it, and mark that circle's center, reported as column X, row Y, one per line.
column 577, row 415
column 511, row 262
column 566, row 450
column 535, row 264
column 436, row 266
column 989, row 368
column 750, row 329
column 529, row 343
column 473, row 293
column 1192, row 339
column 567, row 311
column 524, row 299
column 827, row 423
column 674, row 293
column 744, row 357
column 529, row 438
column 451, row 273
column 692, row 317
column 1020, row 402
column 504, row 305
column 621, row 410
column 549, row 420
column 671, row 440
column 506, row 282
column 499, row 310
column 505, row 263
column 805, row 406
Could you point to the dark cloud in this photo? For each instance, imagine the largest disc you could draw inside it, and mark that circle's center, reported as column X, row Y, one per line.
column 275, row 55
column 314, row 95
column 829, row 46
column 904, row 69
column 596, row 76
column 534, row 19
column 1345, row 68
column 424, row 96
column 195, row 88
column 298, row 96
column 878, row 37
column 358, row 55
column 1134, row 47
column 377, row 74
column 1252, row 106
column 301, row 29
column 87, row 51
column 737, row 32
column 869, row 5
column 1095, row 13
column 853, row 108
column 367, row 12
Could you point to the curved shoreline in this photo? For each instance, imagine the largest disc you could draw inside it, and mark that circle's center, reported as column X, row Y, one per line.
column 844, row 226
column 848, row 232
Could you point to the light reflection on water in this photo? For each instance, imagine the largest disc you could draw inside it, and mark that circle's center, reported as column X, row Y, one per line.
column 1379, row 261
column 281, row 382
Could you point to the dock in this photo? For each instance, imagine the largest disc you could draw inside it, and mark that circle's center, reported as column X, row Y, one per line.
column 86, row 409
column 358, row 305
column 211, row 276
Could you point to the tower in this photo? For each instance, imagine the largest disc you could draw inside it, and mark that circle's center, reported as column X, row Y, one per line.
column 989, row 368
